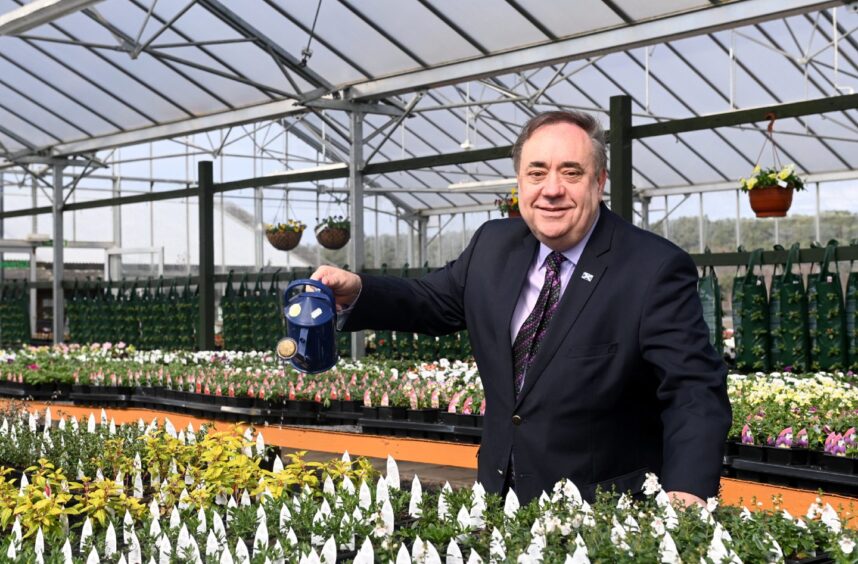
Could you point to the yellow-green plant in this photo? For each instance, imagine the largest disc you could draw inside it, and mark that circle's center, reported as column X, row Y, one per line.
column 43, row 502
column 8, row 498
column 101, row 499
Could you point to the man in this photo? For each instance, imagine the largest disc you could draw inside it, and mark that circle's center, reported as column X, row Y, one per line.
column 587, row 331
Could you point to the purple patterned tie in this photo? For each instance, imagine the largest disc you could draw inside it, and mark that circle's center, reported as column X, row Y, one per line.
column 533, row 330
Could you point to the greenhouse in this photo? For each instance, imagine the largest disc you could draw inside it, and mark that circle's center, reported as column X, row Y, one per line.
column 428, row 281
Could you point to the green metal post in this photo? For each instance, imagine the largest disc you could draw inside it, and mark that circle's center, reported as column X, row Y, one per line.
column 621, row 156
column 205, row 337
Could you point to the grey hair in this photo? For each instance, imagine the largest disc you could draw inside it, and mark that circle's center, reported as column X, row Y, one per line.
column 585, row 121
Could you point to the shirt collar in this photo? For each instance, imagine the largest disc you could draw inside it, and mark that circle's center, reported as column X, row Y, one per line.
column 572, row 254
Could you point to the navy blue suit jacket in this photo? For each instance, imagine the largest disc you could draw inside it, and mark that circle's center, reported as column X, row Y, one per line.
column 625, row 381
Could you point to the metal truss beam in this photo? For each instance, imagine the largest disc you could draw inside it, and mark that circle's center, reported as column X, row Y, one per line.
column 270, row 110
column 698, row 22
column 39, row 12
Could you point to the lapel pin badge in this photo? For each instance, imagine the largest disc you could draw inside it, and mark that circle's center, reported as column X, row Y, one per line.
column 587, row 276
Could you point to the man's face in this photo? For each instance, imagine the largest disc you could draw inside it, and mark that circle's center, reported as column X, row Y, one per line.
column 559, row 190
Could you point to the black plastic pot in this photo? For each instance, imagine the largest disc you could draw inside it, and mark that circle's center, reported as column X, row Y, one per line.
column 370, row 412
column 751, row 452
column 839, row 464
column 391, row 412
column 787, row 456
column 351, row 406
column 428, row 415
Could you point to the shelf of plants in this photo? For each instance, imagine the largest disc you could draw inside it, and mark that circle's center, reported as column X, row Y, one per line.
column 92, row 490
column 788, row 429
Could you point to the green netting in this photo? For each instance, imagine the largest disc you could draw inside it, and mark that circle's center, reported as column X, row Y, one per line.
column 826, row 315
column 751, row 317
column 710, row 298
column 788, row 317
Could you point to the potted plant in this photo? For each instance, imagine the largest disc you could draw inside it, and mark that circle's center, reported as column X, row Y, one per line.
column 333, row 232
column 508, row 204
column 770, row 190
column 285, row 236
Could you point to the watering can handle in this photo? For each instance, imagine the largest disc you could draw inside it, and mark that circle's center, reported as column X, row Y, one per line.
column 308, row 282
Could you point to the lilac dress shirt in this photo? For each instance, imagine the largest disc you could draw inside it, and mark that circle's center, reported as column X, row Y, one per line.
column 536, row 277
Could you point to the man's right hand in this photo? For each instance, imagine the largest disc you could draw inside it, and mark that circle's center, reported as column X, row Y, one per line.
column 345, row 285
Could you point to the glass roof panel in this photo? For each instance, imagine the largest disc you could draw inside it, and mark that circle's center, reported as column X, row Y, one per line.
column 493, row 24
column 77, row 84
column 645, row 10
column 571, row 19
column 436, row 43
column 355, row 38
column 23, row 130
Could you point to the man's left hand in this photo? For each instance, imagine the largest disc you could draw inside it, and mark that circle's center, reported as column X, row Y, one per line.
column 685, row 499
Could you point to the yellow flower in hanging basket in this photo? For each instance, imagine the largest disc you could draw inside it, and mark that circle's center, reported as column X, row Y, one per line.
column 765, row 177
column 508, row 205
column 285, row 236
column 292, row 225
column 770, row 190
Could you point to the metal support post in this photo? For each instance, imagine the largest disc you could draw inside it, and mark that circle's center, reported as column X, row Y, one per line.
column 645, row 213
column 2, row 226
column 700, row 224
column 34, row 294
column 258, row 232
column 59, row 305
column 357, row 252
column 621, row 157
column 205, row 337
column 422, row 241
column 115, row 261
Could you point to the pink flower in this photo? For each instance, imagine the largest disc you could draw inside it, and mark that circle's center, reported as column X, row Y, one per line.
column 467, row 406
column 784, row 439
column 385, row 400
column 801, row 439
column 434, row 399
column 747, row 436
column 367, row 399
column 33, row 366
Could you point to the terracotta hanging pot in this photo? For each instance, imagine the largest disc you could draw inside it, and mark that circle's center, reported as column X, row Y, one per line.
column 771, row 201
column 513, row 213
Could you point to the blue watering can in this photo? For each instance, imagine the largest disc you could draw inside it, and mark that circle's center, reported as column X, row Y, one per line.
column 310, row 344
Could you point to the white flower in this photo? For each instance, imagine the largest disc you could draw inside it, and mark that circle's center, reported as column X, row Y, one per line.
column 651, row 485
column 846, row 545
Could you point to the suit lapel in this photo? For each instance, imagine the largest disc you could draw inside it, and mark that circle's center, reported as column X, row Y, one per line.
column 586, row 277
column 508, row 291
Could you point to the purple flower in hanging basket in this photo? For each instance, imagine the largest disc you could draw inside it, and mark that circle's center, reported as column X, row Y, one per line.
column 788, row 368
column 801, row 439
column 784, row 439
column 747, row 436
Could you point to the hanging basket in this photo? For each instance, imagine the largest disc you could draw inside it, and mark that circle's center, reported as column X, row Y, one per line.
column 513, row 213
column 771, row 201
column 333, row 237
column 284, row 240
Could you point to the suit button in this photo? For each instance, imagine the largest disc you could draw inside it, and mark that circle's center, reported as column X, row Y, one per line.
column 516, row 420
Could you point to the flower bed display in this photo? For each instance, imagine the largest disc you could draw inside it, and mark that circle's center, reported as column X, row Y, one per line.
column 788, row 429
column 149, row 492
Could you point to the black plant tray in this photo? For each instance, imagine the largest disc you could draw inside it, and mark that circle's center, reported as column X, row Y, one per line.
column 804, row 477
column 193, row 406
column 101, row 398
column 340, row 417
column 436, row 431
column 34, row 391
